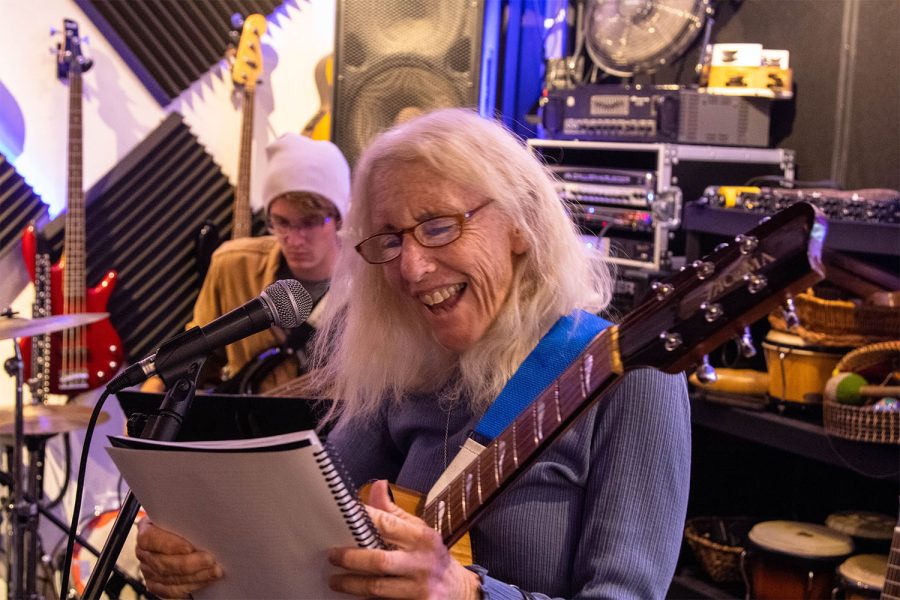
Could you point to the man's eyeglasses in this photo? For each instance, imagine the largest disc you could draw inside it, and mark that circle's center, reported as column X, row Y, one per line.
column 282, row 228
column 432, row 233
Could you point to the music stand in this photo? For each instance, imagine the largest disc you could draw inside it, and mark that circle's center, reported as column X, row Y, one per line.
column 230, row 416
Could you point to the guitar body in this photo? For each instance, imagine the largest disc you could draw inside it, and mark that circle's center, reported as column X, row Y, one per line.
column 413, row 502
column 319, row 126
column 100, row 345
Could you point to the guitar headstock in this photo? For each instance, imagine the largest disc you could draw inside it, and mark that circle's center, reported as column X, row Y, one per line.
column 715, row 297
column 248, row 59
column 69, row 57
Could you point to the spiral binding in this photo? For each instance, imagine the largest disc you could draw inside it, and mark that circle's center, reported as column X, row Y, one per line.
column 353, row 511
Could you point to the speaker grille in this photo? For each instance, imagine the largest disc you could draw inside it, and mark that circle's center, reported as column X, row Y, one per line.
column 19, row 205
column 395, row 59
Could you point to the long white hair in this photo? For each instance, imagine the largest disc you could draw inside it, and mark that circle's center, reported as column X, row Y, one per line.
column 371, row 350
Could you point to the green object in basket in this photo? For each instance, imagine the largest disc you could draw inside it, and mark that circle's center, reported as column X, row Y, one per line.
column 847, row 390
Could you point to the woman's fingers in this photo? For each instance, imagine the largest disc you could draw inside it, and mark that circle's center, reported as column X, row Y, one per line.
column 172, row 567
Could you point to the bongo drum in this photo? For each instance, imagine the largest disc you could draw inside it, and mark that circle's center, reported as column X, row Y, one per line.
column 871, row 532
column 798, row 371
column 790, row 559
column 862, row 576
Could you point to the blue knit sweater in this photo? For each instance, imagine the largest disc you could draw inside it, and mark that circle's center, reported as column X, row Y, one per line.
column 600, row 515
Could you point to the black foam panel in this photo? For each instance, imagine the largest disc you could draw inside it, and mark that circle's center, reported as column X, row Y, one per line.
column 169, row 44
column 19, row 205
column 142, row 220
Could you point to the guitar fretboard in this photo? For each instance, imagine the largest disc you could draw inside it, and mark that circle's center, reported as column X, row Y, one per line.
column 452, row 511
column 241, row 216
column 74, row 301
column 891, row 589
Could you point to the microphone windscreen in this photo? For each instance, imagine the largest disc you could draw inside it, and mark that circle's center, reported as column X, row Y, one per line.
column 289, row 301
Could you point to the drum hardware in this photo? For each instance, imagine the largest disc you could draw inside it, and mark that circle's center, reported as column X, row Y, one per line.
column 27, row 491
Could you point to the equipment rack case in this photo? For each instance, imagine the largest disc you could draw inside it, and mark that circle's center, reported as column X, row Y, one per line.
column 681, row 171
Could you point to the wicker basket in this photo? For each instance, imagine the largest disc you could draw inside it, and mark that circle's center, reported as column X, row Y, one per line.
column 840, row 322
column 715, row 542
column 863, row 423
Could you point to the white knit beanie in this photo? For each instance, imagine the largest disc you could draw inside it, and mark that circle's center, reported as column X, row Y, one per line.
column 300, row 164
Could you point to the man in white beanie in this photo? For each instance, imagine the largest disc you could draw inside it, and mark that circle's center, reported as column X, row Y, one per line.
column 306, row 193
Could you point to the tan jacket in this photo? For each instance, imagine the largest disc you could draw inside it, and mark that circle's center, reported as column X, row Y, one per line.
column 238, row 272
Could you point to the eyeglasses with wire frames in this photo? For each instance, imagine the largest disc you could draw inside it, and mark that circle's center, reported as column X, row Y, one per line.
column 282, row 228
column 431, row 233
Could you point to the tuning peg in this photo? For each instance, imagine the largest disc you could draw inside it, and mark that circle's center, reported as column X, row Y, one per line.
column 237, row 20
column 53, row 31
column 711, row 311
column 745, row 344
column 662, row 290
column 764, row 219
column 789, row 313
column 755, row 283
column 671, row 341
column 721, row 246
column 705, row 372
column 746, row 243
column 703, row 268
column 86, row 40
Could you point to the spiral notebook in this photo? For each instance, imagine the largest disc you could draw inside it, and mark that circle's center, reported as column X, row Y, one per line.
column 268, row 509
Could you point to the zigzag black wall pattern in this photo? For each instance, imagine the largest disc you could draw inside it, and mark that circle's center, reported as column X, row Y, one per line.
column 143, row 218
column 19, row 205
column 169, row 44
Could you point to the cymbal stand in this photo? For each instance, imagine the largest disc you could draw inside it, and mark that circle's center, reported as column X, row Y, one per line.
column 22, row 576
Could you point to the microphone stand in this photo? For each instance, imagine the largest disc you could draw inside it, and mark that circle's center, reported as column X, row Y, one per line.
column 164, row 426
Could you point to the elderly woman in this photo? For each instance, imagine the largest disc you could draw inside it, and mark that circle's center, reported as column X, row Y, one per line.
column 460, row 259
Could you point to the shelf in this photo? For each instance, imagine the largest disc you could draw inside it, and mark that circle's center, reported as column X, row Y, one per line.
column 850, row 236
column 686, row 586
column 878, row 461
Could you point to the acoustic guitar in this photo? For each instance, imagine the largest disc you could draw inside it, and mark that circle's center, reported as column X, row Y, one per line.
column 707, row 303
column 86, row 357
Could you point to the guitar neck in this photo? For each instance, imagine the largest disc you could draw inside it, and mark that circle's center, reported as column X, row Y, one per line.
column 454, row 510
column 241, row 216
column 74, row 244
column 891, row 589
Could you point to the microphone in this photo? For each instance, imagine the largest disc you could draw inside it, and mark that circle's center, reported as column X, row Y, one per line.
column 285, row 303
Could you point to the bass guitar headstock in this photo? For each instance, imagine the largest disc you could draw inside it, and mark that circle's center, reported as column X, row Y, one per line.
column 717, row 296
column 247, row 67
column 69, row 57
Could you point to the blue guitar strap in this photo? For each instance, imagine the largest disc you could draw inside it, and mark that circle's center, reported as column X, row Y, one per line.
column 568, row 337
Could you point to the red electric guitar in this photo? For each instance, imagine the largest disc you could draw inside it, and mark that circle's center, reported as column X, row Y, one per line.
column 86, row 357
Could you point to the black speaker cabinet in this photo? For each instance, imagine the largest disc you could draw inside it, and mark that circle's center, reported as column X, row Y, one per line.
column 395, row 59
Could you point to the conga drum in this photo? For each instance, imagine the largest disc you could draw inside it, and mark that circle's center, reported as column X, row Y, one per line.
column 862, row 576
column 790, row 559
column 798, row 371
column 871, row 531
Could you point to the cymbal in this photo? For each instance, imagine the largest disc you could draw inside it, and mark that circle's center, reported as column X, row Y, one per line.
column 48, row 419
column 15, row 327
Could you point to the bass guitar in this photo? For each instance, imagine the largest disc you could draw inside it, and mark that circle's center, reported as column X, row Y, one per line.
column 246, row 69
column 707, row 303
column 86, row 357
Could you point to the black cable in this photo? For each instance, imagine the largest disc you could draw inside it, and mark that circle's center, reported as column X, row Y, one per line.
column 79, row 490
column 67, row 448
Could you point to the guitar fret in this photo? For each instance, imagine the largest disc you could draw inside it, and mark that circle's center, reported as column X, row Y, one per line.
column 514, row 446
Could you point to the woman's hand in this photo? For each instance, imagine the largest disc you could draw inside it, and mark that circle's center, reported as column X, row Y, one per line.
column 171, row 566
column 418, row 566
